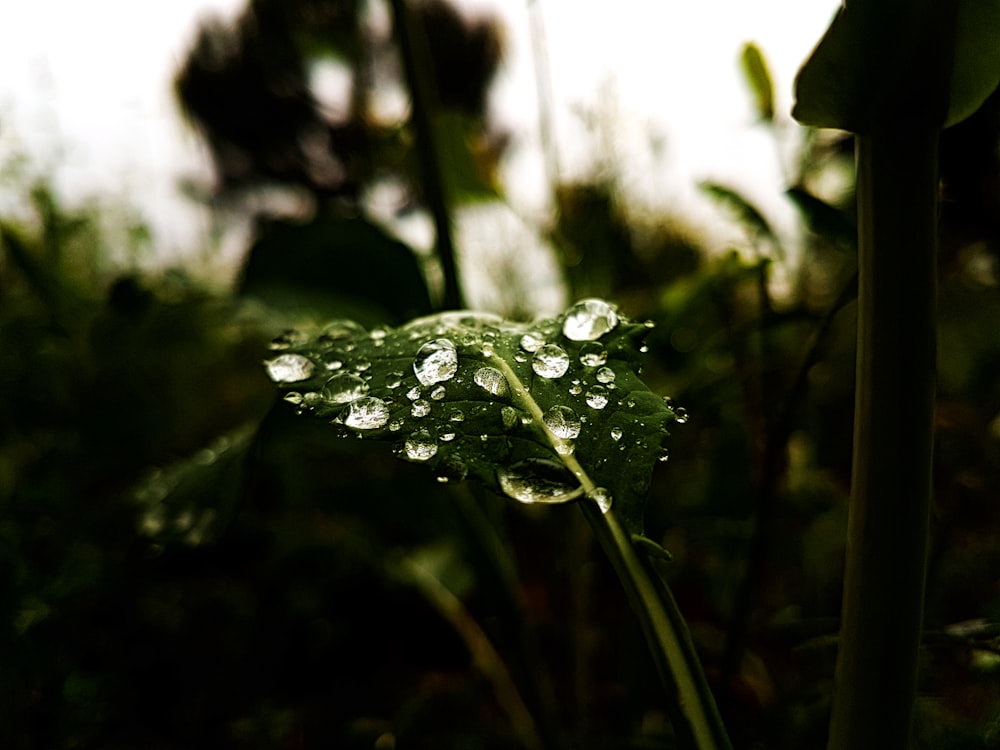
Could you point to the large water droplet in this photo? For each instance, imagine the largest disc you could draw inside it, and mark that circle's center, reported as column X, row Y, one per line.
column 436, row 361
column 343, row 388
column 550, row 361
column 563, row 422
column 602, row 497
column 367, row 413
column 491, row 379
column 420, row 446
column 290, row 368
column 537, row 480
column 597, row 397
column 589, row 319
column 592, row 354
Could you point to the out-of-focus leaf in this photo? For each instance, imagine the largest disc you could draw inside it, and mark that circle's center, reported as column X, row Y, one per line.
column 544, row 413
column 746, row 213
column 824, row 219
column 881, row 63
column 758, row 76
column 334, row 267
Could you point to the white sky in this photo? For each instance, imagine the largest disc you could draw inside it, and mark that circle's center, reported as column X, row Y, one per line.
column 667, row 70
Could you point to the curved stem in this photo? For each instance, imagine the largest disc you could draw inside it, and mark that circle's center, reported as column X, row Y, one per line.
column 692, row 708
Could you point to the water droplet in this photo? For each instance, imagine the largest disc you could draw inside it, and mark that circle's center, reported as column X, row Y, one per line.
column 589, row 319
column 597, row 397
column 395, row 425
column 565, row 447
column 575, row 389
column 290, row 368
column 436, row 361
column 492, row 380
column 457, row 416
column 438, row 392
column 293, row 397
column 420, row 408
column 414, row 393
column 452, row 467
column 337, row 330
column 532, row 341
column 343, row 388
column 605, row 375
column 367, row 413
column 378, row 335
column 446, row 437
column 510, row 416
column 663, row 455
column 616, row 433
column 563, row 422
column 592, row 354
column 420, row 446
column 550, row 361
column 362, row 365
column 681, row 415
column 393, row 380
column 537, row 480
column 602, row 497
column 287, row 339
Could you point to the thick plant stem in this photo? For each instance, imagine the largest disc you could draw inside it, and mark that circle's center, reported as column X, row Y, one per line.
column 417, row 65
column 692, row 708
column 893, row 440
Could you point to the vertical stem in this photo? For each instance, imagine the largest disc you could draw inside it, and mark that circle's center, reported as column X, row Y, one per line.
column 893, row 440
column 417, row 64
column 693, row 713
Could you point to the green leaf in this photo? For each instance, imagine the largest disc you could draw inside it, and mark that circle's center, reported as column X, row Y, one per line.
column 758, row 76
column 883, row 63
column 546, row 412
column 746, row 213
column 825, row 220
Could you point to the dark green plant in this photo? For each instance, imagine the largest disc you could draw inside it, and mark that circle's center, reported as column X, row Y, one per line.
column 549, row 412
column 895, row 74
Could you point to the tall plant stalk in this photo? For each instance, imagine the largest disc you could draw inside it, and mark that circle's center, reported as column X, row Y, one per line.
column 893, row 439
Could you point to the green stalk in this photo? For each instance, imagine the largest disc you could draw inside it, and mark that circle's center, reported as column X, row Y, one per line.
column 692, row 708
column 893, row 440
column 417, row 65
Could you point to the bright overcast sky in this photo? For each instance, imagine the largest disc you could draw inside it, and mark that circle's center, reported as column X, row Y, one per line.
column 666, row 70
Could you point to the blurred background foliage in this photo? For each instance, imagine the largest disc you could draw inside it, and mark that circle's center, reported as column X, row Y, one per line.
column 185, row 564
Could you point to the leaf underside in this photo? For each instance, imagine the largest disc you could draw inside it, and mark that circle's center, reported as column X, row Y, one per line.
column 526, row 409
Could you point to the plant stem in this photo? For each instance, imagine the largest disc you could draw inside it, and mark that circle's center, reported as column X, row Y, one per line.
column 692, row 708
column 417, row 64
column 893, row 440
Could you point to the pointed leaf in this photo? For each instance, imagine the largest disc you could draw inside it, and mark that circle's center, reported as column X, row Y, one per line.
column 758, row 75
column 546, row 412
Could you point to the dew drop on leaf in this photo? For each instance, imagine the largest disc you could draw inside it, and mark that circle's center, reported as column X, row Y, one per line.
column 616, row 433
column 420, row 408
column 492, row 380
column 287, row 339
column 343, row 388
column 457, row 416
column 393, row 380
column 510, row 416
column 367, row 413
column 395, row 425
column 438, row 392
column 605, row 375
column 290, row 368
column 414, row 393
column 337, row 330
column 446, row 437
column 597, row 397
column 592, row 354
column 663, row 455
column 602, row 497
column 420, row 446
column 532, row 341
column 563, row 422
column 537, row 480
column 589, row 319
column 435, row 362
column 575, row 388
column 550, row 361
column 681, row 415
